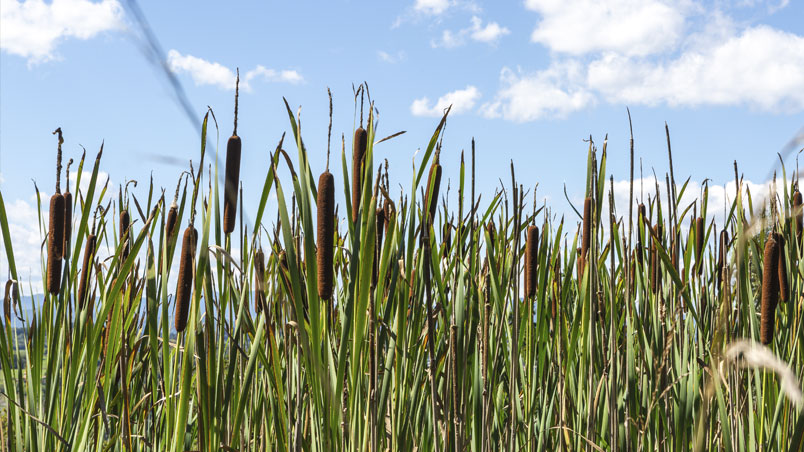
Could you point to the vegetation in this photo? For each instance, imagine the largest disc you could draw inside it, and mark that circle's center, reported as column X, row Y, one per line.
column 404, row 325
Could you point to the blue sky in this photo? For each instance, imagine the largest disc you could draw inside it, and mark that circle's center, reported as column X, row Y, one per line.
column 529, row 80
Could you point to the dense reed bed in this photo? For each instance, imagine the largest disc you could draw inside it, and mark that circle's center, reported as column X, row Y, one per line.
column 511, row 329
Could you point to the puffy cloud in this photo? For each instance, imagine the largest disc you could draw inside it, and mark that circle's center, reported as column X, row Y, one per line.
column 761, row 67
column 554, row 92
column 431, row 7
column 632, row 27
column 462, row 100
column 490, row 33
column 205, row 72
column 33, row 29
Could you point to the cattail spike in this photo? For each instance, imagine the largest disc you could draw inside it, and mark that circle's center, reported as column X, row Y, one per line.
column 784, row 288
column 184, row 290
column 358, row 161
column 586, row 238
column 86, row 269
column 125, row 226
column 699, row 243
column 233, row 151
column 531, row 259
column 325, row 203
column 770, row 287
column 259, row 281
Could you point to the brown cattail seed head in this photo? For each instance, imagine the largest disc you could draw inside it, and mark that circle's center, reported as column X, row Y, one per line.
column 446, row 239
column 259, row 281
column 232, row 181
column 125, row 223
column 722, row 255
column 358, row 159
column 586, row 236
column 531, row 258
column 781, row 268
column 492, row 231
column 379, row 216
column 644, row 220
column 86, row 269
column 699, row 243
column 184, row 290
column 434, row 182
column 797, row 206
column 7, row 300
column 326, row 222
column 68, row 220
column 770, row 288
column 55, row 243
column 170, row 223
column 587, row 226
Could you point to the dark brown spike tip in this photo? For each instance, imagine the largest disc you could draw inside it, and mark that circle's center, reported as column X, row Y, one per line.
column 325, row 203
column 233, row 148
column 770, row 289
column 184, row 289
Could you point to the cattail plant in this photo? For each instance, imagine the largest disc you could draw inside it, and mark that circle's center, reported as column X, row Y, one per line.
column 781, row 268
column 723, row 251
column 173, row 215
column 184, row 290
column 531, row 259
column 446, row 239
column 86, row 269
column 7, row 301
column 125, row 225
column 797, row 209
column 55, row 242
column 379, row 216
column 643, row 220
column 655, row 267
column 68, row 210
column 770, row 288
column 433, row 183
column 699, row 244
column 358, row 160
column 326, row 222
column 233, row 147
column 259, row 281
column 586, row 237
column 325, row 202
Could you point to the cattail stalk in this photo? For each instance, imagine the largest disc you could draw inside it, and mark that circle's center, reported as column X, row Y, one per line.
column 770, row 288
column 358, row 161
column 184, row 289
column 125, row 224
column 797, row 208
column 784, row 288
column 259, row 281
column 722, row 255
column 531, row 259
column 233, row 148
column 380, row 221
column 68, row 211
column 325, row 203
column 586, row 236
column 86, row 269
column 699, row 244
column 55, row 242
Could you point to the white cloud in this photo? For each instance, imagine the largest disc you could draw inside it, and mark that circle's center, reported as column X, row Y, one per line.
column 462, row 100
column 33, row 29
column 205, row 72
column 202, row 71
column 489, row 34
column 554, row 92
column 632, row 27
column 271, row 75
column 431, row 7
column 762, row 67
column 391, row 58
